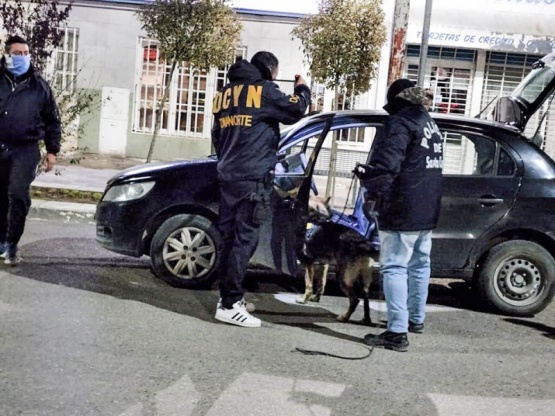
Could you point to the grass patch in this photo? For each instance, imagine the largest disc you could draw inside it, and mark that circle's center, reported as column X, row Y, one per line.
column 65, row 195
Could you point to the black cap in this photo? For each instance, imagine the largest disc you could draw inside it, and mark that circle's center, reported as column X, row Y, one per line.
column 397, row 86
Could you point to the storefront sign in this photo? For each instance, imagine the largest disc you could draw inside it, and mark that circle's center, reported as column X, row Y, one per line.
column 476, row 39
column 533, row 2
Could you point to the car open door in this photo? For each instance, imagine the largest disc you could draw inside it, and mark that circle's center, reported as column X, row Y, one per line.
column 282, row 235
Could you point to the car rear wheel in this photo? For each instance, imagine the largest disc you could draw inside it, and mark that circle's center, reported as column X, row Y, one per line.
column 517, row 278
column 184, row 251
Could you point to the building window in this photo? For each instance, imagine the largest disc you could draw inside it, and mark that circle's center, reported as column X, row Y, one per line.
column 221, row 75
column 183, row 112
column 449, row 86
column 317, row 96
column 61, row 67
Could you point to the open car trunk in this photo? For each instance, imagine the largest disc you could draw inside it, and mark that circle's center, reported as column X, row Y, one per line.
column 529, row 95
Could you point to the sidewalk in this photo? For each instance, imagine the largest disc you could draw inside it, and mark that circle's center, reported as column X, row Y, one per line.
column 93, row 173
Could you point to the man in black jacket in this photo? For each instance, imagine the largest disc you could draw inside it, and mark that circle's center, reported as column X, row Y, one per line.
column 247, row 113
column 404, row 185
column 28, row 114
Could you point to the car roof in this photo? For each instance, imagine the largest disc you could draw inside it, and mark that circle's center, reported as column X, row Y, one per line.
column 455, row 118
column 351, row 117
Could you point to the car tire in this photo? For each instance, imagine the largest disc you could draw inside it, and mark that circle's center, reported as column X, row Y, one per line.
column 517, row 278
column 185, row 251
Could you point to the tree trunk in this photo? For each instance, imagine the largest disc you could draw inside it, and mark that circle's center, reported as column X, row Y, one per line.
column 330, row 186
column 160, row 111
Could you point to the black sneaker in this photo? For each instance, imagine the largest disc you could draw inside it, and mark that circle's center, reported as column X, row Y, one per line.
column 389, row 340
column 416, row 328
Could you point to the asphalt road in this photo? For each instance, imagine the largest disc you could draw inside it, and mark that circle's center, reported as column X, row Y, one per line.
column 84, row 331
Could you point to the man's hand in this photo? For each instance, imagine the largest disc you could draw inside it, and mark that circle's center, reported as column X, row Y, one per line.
column 362, row 170
column 299, row 80
column 49, row 162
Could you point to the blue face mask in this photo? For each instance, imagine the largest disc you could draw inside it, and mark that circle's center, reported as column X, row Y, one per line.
column 18, row 64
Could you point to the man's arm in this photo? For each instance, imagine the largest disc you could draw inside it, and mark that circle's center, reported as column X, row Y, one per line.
column 387, row 157
column 288, row 109
column 52, row 128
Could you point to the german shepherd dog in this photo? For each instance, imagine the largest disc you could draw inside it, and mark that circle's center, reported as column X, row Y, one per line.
column 326, row 243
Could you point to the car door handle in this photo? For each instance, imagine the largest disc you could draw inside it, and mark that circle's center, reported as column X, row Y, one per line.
column 490, row 200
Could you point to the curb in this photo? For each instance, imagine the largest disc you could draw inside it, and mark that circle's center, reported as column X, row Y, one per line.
column 69, row 212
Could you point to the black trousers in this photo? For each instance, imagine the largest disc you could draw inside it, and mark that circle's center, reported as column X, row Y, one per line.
column 18, row 167
column 239, row 234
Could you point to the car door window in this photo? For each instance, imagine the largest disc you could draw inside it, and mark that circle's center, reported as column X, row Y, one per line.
column 291, row 168
column 293, row 163
column 472, row 154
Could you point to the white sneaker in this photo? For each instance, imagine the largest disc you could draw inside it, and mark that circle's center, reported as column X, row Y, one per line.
column 249, row 306
column 237, row 315
column 10, row 255
column 12, row 261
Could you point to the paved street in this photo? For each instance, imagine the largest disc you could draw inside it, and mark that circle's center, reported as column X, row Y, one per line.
column 84, row 331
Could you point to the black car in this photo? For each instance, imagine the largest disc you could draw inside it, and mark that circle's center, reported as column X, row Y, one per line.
column 497, row 225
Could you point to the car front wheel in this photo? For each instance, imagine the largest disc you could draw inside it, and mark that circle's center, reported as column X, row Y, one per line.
column 518, row 278
column 184, row 251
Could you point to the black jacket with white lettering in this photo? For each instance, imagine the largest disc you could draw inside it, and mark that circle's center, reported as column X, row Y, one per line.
column 247, row 113
column 407, row 176
column 29, row 112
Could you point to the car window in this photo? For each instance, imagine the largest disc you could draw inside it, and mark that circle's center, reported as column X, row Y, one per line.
column 473, row 154
column 507, row 166
column 291, row 167
column 293, row 161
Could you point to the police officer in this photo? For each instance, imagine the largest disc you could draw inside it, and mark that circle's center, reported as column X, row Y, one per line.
column 247, row 113
column 28, row 114
column 404, row 185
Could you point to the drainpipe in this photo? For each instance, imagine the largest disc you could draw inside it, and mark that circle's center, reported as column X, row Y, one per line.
column 424, row 44
column 398, row 40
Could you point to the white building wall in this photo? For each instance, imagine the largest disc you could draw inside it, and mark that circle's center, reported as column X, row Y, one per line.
column 107, row 45
column 108, row 51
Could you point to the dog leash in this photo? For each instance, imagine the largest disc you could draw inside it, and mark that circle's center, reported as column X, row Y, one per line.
column 381, row 294
column 327, row 354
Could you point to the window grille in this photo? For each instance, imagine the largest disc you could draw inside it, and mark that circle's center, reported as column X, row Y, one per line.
column 221, row 75
column 61, row 68
column 183, row 112
column 450, row 87
column 317, row 96
column 444, row 53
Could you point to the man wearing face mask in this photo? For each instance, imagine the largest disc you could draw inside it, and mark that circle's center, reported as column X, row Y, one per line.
column 28, row 114
column 247, row 113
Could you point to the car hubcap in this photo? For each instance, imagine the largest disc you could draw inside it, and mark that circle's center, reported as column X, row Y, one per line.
column 519, row 282
column 189, row 253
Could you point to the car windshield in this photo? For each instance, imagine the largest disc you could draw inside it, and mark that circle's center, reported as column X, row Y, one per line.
column 535, row 83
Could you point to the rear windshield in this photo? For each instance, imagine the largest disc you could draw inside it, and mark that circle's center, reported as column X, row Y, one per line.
column 535, row 83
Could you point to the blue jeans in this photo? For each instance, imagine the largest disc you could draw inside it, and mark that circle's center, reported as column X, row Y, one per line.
column 405, row 268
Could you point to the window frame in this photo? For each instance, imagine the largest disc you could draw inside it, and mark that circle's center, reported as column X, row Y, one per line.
column 63, row 77
column 187, row 113
column 445, row 130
